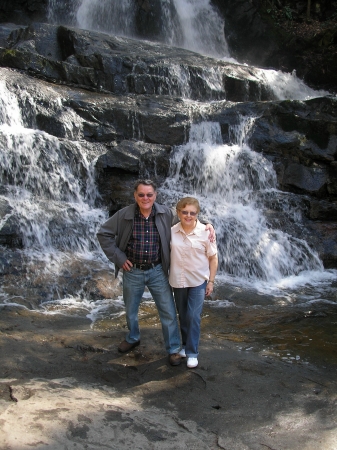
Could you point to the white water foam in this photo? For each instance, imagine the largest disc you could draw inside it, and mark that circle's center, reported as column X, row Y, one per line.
column 287, row 86
column 93, row 310
column 202, row 28
column 190, row 24
column 48, row 188
column 220, row 303
column 44, row 187
column 229, row 180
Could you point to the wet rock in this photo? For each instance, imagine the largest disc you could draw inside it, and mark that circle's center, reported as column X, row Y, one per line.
column 131, row 137
column 131, row 158
column 256, row 37
column 303, row 179
column 323, row 237
column 253, row 35
column 11, row 263
column 332, row 184
column 23, row 11
column 323, row 210
column 10, row 235
column 105, row 63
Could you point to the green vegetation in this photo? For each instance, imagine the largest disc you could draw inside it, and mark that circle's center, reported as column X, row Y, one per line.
column 285, row 10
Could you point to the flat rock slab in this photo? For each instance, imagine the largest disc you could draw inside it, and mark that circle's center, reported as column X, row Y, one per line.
column 63, row 384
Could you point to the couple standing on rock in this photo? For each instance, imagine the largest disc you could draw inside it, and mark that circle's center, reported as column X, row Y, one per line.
column 140, row 239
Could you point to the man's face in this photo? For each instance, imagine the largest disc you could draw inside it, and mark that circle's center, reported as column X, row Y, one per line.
column 145, row 196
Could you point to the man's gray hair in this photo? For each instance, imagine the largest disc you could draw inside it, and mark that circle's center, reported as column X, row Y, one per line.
column 146, row 183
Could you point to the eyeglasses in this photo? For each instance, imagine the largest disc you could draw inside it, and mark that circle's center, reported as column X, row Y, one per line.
column 191, row 213
column 141, row 195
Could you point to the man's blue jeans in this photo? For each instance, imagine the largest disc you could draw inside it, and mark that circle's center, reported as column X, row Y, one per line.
column 189, row 303
column 134, row 283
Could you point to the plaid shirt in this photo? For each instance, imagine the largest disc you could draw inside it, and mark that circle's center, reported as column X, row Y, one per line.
column 144, row 244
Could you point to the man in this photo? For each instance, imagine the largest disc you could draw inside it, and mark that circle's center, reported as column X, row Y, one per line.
column 137, row 239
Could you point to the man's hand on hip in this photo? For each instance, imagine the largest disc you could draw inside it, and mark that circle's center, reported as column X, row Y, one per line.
column 127, row 265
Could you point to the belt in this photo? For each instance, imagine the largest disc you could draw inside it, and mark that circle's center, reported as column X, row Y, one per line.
column 146, row 266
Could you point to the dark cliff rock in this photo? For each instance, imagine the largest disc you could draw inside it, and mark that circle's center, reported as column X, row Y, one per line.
column 121, row 101
column 259, row 33
column 106, row 63
column 9, row 234
column 123, row 163
column 263, row 34
column 133, row 136
column 23, row 11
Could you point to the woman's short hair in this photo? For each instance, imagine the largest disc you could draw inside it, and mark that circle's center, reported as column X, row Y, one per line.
column 188, row 201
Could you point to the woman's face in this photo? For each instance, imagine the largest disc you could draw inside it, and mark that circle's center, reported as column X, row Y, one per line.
column 188, row 215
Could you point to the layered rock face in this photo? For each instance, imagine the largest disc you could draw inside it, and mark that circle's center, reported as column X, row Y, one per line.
column 253, row 32
column 127, row 104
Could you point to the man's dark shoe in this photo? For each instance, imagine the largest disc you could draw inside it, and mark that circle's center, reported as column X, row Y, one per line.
column 175, row 359
column 125, row 346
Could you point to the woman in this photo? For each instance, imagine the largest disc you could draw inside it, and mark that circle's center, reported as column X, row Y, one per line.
column 194, row 263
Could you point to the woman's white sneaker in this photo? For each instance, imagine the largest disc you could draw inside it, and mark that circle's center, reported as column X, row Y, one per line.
column 192, row 362
column 182, row 353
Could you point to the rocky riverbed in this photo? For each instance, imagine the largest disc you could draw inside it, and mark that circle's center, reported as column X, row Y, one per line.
column 63, row 383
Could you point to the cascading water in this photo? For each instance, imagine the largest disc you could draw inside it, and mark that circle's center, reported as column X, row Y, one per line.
column 196, row 26
column 51, row 196
column 230, row 182
column 49, row 193
column 191, row 24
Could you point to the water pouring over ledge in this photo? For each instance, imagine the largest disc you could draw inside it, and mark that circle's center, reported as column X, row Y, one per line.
column 81, row 224
column 191, row 24
column 48, row 192
column 232, row 182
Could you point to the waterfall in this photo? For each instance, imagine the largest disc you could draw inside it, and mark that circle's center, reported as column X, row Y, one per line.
column 191, row 24
column 51, row 194
column 48, row 189
column 199, row 27
column 231, row 182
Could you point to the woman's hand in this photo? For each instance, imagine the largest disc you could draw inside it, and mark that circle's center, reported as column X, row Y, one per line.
column 213, row 266
column 209, row 288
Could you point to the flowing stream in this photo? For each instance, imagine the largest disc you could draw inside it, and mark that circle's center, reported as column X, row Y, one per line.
column 51, row 198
